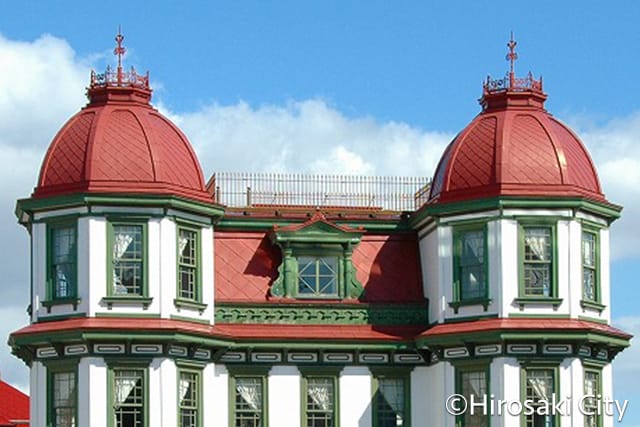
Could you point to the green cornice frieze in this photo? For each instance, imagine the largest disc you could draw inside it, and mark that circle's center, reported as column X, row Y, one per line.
column 336, row 314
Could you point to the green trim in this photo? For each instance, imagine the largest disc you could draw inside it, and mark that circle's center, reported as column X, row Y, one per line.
column 248, row 371
column 331, row 313
column 52, row 225
column 538, row 316
column 189, row 319
column 329, row 374
column 145, row 302
column 465, row 367
column 608, row 211
column 129, row 315
column 143, row 296
column 459, row 319
column 60, row 367
column 117, row 365
column 597, row 370
column 536, row 365
column 381, row 373
column 32, row 205
column 255, row 224
column 60, row 317
column 197, row 372
column 457, row 250
column 594, row 319
column 181, row 300
column 524, row 298
column 592, row 303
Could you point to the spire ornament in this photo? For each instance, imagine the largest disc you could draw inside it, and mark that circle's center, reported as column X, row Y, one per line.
column 511, row 57
column 119, row 51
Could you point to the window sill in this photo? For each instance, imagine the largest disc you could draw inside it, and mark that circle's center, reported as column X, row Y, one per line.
column 185, row 303
column 592, row 305
column 61, row 301
column 522, row 301
column 484, row 302
column 129, row 300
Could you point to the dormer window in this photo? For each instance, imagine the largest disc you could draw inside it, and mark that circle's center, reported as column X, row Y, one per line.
column 316, row 260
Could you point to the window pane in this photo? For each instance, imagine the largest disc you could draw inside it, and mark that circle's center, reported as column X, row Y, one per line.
column 474, row 383
column 128, row 397
column 188, row 391
column 470, row 274
column 389, row 402
column 248, row 402
column 537, row 268
column 539, row 387
column 589, row 266
column 591, row 388
column 319, row 402
column 63, row 261
column 187, row 264
column 127, row 259
column 318, row 276
column 64, row 399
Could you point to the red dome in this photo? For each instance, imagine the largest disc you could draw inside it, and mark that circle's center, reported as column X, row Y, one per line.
column 120, row 144
column 514, row 147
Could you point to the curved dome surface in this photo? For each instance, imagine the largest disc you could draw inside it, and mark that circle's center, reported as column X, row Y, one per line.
column 120, row 144
column 514, row 147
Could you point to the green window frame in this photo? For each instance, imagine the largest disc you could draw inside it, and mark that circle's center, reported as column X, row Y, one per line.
column 590, row 257
column 62, row 261
column 189, row 264
column 318, row 276
column 127, row 264
column 539, row 384
column 320, row 400
column 248, row 398
column 391, row 401
column 128, row 391
column 62, row 395
column 470, row 266
column 189, row 397
column 473, row 380
column 592, row 387
column 538, row 262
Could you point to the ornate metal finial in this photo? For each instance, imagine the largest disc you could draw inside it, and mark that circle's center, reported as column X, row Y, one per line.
column 510, row 82
column 119, row 78
column 119, row 51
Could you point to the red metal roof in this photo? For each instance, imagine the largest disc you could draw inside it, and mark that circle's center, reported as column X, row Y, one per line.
column 515, row 324
column 119, row 143
column 320, row 332
column 514, row 147
column 14, row 406
column 387, row 266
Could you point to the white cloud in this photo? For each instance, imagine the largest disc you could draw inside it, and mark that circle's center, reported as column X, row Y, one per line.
column 614, row 148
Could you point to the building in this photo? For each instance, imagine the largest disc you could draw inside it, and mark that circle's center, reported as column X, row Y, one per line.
column 288, row 300
column 14, row 406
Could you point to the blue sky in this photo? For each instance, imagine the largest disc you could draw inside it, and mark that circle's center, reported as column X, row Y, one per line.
column 379, row 85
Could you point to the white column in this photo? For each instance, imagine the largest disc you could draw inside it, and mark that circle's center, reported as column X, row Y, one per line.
column 216, row 382
column 284, row 396
column 355, row 397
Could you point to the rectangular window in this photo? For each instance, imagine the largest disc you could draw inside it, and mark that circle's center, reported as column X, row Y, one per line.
column 539, row 388
column 591, row 392
column 318, row 276
column 590, row 266
column 189, row 397
column 537, row 268
column 249, row 401
column 128, row 399
column 472, row 383
column 127, row 254
column 390, row 402
column 188, row 261
column 62, row 399
column 62, row 261
column 320, row 402
column 469, row 264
